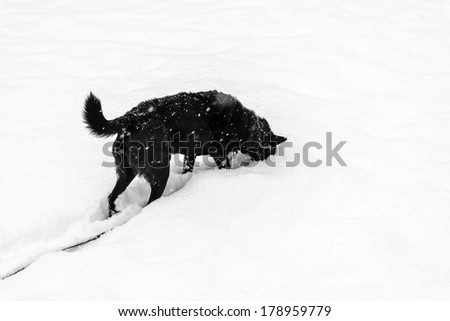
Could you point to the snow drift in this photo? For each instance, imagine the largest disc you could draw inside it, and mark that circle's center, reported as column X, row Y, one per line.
column 374, row 73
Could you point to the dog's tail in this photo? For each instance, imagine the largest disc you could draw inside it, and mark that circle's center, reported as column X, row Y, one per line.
column 94, row 119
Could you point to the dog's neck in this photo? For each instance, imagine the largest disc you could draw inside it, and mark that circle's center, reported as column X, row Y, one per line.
column 255, row 128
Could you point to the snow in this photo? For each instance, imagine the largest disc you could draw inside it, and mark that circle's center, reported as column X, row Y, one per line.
column 374, row 73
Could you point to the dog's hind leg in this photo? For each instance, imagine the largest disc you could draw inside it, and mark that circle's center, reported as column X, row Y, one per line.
column 124, row 178
column 157, row 172
column 188, row 164
column 157, row 178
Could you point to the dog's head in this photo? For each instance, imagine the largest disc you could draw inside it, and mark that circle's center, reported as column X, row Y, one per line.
column 261, row 141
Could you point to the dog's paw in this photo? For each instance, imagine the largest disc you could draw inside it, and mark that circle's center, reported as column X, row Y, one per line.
column 112, row 212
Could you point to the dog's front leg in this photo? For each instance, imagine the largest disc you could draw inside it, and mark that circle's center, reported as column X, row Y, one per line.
column 188, row 164
column 222, row 162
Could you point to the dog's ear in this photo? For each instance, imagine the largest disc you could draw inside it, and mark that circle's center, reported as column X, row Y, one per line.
column 279, row 139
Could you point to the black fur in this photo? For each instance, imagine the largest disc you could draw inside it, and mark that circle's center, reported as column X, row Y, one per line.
column 204, row 123
column 94, row 119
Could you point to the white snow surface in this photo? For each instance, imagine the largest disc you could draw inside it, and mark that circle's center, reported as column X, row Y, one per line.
column 374, row 73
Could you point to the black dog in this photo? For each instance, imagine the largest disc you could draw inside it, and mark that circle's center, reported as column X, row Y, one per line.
column 203, row 123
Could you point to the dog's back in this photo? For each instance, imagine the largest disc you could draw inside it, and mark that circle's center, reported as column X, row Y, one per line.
column 210, row 116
